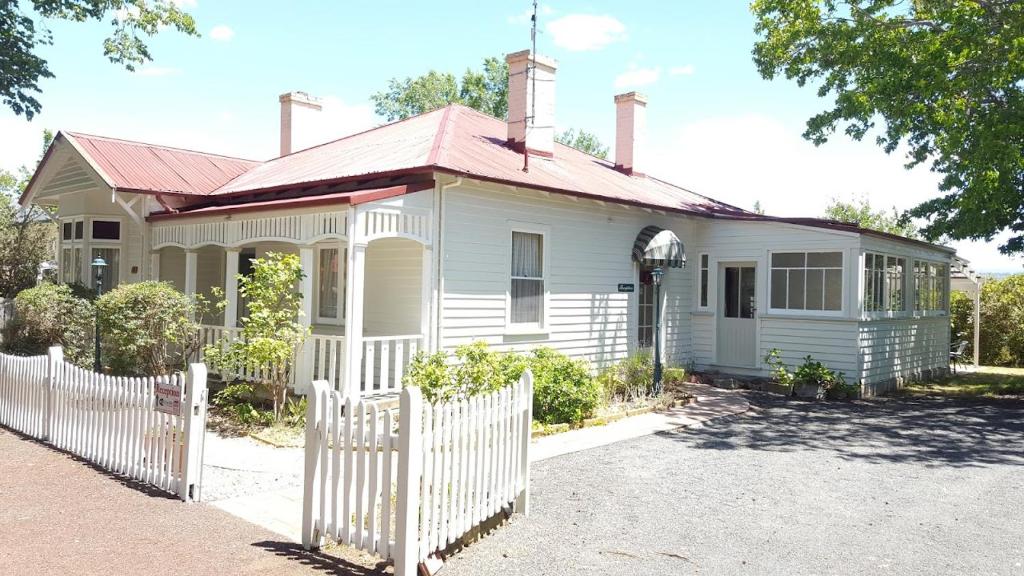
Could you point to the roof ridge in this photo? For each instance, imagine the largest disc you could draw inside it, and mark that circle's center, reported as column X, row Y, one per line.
column 439, row 149
column 163, row 146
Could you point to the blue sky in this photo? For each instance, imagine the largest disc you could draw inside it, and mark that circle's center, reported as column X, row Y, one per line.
column 715, row 126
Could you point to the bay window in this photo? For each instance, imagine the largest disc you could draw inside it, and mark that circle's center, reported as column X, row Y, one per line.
column 884, row 277
column 71, row 246
column 105, row 242
column 931, row 286
column 806, row 281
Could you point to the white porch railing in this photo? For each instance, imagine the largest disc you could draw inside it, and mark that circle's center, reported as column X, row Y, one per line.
column 385, row 358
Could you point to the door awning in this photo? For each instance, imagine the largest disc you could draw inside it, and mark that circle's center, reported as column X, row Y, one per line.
column 656, row 246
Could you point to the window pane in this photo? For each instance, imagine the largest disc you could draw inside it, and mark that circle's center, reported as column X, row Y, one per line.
column 824, row 259
column 79, row 227
column 106, row 230
column 778, row 289
column 328, row 288
column 704, row 287
column 833, row 289
column 788, row 260
column 795, row 298
column 746, row 292
column 66, row 233
column 732, row 292
column 527, row 259
column 815, row 289
column 527, row 301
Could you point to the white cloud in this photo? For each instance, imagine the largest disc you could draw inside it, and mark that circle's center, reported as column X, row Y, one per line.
column 157, row 71
column 585, row 32
column 637, row 77
column 749, row 158
column 685, row 70
column 222, row 33
column 524, row 17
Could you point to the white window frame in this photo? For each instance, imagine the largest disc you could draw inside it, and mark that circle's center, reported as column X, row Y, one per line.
column 844, row 280
column 107, row 245
column 907, row 286
column 72, row 244
column 343, row 264
column 528, row 328
column 704, row 273
column 944, row 311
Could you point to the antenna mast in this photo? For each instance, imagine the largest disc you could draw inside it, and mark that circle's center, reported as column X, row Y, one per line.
column 531, row 71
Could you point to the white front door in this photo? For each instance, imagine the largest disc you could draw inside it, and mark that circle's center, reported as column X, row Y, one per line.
column 737, row 308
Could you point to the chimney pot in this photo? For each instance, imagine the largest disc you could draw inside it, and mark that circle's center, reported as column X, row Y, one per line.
column 298, row 112
column 531, row 116
column 630, row 133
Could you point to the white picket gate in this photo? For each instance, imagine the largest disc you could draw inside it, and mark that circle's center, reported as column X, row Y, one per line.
column 111, row 421
column 407, row 495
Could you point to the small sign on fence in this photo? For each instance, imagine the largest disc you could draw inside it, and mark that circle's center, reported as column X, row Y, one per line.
column 168, row 398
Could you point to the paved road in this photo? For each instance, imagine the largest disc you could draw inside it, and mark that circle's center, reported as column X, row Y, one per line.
column 898, row 486
column 61, row 516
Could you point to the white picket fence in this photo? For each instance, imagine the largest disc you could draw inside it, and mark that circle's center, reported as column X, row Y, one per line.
column 406, row 495
column 113, row 422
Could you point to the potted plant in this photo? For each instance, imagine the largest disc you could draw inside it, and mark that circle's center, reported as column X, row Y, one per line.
column 781, row 381
column 813, row 379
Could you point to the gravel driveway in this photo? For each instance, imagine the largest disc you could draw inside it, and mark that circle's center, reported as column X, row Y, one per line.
column 898, row 486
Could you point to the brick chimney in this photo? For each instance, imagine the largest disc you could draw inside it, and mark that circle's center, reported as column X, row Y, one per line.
column 531, row 117
column 299, row 112
column 630, row 132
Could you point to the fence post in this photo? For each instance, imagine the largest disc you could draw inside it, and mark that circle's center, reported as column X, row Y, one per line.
column 194, row 428
column 410, row 461
column 55, row 357
column 523, row 499
column 315, row 441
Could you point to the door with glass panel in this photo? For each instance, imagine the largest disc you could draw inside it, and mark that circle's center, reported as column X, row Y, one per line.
column 737, row 309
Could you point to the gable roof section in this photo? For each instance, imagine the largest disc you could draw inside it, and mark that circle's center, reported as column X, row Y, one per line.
column 138, row 167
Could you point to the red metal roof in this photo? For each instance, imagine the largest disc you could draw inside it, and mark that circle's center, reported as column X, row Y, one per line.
column 138, row 167
column 460, row 140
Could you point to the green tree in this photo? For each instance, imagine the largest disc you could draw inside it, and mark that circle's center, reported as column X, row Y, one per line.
column 22, row 34
column 583, row 141
column 485, row 90
column 758, row 209
column 26, row 234
column 271, row 334
column 860, row 212
column 944, row 78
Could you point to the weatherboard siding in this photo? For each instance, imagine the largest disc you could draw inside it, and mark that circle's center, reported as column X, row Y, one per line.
column 897, row 350
column 588, row 251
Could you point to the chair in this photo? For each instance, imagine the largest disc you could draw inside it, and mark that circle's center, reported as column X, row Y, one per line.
column 958, row 354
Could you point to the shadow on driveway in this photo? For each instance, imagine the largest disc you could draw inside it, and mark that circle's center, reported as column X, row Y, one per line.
column 321, row 562
column 932, row 431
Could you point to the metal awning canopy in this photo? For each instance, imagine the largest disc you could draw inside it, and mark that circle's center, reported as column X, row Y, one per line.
column 655, row 246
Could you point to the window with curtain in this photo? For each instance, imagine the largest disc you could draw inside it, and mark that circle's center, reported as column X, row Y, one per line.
column 806, row 281
column 703, row 280
column 71, row 251
column 330, row 291
column 112, row 273
column 527, row 290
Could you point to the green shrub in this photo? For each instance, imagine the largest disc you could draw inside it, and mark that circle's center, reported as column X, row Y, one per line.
column 629, row 380
column 239, row 401
column 146, row 328
column 477, row 370
column 780, row 372
column 563, row 390
column 49, row 315
column 812, row 372
column 674, row 375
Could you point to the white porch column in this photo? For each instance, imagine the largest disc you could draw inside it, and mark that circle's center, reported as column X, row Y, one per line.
column 427, row 299
column 231, row 287
column 304, row 367
column 352, row 384
column 191, row 265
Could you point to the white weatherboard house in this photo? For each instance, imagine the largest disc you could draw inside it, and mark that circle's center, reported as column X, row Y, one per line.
column 452, row 226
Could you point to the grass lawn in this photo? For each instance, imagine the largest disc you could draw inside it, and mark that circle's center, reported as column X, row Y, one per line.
column 986, row 381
